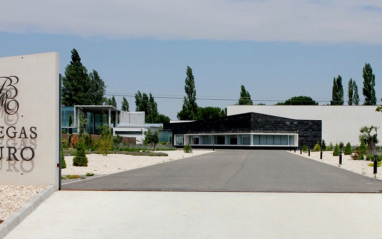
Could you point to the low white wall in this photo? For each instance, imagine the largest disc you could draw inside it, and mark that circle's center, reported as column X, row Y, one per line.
column 339, row 123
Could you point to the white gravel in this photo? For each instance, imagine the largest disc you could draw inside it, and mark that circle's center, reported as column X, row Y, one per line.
column 13, row 197
column 114, row 163
column 356, row 166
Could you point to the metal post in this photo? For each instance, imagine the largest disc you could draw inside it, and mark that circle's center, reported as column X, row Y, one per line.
column 300, row 150
column 309, row 152
column 321, row 154
column 294, row 150
column 340, row 156
column 375, row 164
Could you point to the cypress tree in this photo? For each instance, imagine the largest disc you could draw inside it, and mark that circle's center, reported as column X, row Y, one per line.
column 190, row 108
column 125, row 104
column 350, row 92
column 337, row 92
column 368, row 85
column 355, row 94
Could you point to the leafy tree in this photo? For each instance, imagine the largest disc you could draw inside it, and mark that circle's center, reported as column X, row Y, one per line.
column 210, row 113
column 76, row 83
column 125, row 104
column 151, row 138
column 362, row 149
column 368, row 85
column 111, row 101
column 106, row 140
column 337, row 92
column 355, row 94
column 245, row 97
column 80, row 159
column 146, row 103
column 190, row 108
column 350, row 92
column 369, row 138
column 97, row 88
column 299, row 100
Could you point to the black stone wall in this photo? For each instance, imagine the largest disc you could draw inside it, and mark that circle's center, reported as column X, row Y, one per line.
column 309, row 131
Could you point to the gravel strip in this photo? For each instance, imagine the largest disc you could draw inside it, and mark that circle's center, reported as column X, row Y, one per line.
column 13, row 197
column 356, row 166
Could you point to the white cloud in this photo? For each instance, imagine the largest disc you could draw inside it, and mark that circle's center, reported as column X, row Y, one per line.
column 307, row 21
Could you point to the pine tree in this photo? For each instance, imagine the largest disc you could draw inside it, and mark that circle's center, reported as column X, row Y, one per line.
column 125, row 104
column 245, row 97
column 190, row 108
column 337, row 92
column 76, row 83
column 348, row 150
column 80, row 159
column 368, row 85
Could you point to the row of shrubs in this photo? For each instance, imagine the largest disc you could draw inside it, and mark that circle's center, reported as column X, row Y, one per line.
column 358, row 153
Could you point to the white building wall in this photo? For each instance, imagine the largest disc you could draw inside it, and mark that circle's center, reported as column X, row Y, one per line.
column 131, row 118
column 339, row 123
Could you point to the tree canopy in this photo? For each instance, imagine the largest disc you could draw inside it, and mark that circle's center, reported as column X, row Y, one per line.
column 337, row 92
column 210, row 113
column 79, row 88
column 299, row 100
column 125, row 104
column 146, row 103
column 111, row 101
column 190, row 108
column 368, row 85
column 245, row 97
column 353, row 97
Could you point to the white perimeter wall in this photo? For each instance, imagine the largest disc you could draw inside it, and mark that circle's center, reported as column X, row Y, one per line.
column 339, row 123
column 38, row 99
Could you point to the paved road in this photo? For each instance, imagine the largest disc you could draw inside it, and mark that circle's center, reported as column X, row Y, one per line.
column 236, row 171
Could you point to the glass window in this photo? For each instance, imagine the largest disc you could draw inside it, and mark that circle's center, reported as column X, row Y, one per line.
column 291, row 140
column 233, row 139
column 277, row 140
column 245, row 139
column 269, row 139
column 263, row 139
column 283, row 139
column 256, row 139
column 220, row 139
column 179, row 140
column 205, row 139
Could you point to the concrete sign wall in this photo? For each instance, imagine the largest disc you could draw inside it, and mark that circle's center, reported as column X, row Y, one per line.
column 29, row 119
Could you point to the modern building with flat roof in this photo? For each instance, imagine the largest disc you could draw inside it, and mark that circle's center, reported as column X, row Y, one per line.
column 247, row 130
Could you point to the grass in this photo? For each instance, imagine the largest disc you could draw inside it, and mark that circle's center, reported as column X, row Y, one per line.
column 129, row 150
column 73, row 176
column 89, row 174
column 372, row 164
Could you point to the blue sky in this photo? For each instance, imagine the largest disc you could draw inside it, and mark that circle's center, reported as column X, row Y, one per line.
column 275, row 48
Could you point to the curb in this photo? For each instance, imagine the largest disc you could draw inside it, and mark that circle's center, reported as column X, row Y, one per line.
column 17, row 217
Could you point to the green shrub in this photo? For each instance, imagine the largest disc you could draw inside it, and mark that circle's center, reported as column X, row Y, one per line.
column 88, row 141
column 371, row 158
column 336, row 151
column 372, row 164
column 305, row 148
column 117, row 139
column 80, row 159
column 323, row 145
column 187, row 148
column 63, row 163
column 106, row 140
column 341, row 145
column 89, row 174
column 348, row 150
column 362, row 149
column 64, row 143
column 331, row 146
column 317, row 147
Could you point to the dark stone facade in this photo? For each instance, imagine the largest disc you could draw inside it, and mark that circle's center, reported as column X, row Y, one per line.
column 309, row 131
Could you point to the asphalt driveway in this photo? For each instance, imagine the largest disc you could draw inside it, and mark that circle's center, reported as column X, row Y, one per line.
column 235, row 171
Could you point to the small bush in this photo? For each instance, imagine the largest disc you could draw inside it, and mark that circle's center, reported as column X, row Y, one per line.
column 89, row 174
column 371, row 158
column 305, row 148
column 372, row 164
column 63, row 163
column 74, row 141
column 73, row 176
column 323, row 145
column 64, row 143
column 80, row 159
column 187, row 148
column 348, row 150
column 317, row 147
column 117, row 139
column 331, row 146
column 106, row 140
column 336, row 151
column 88, row 141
